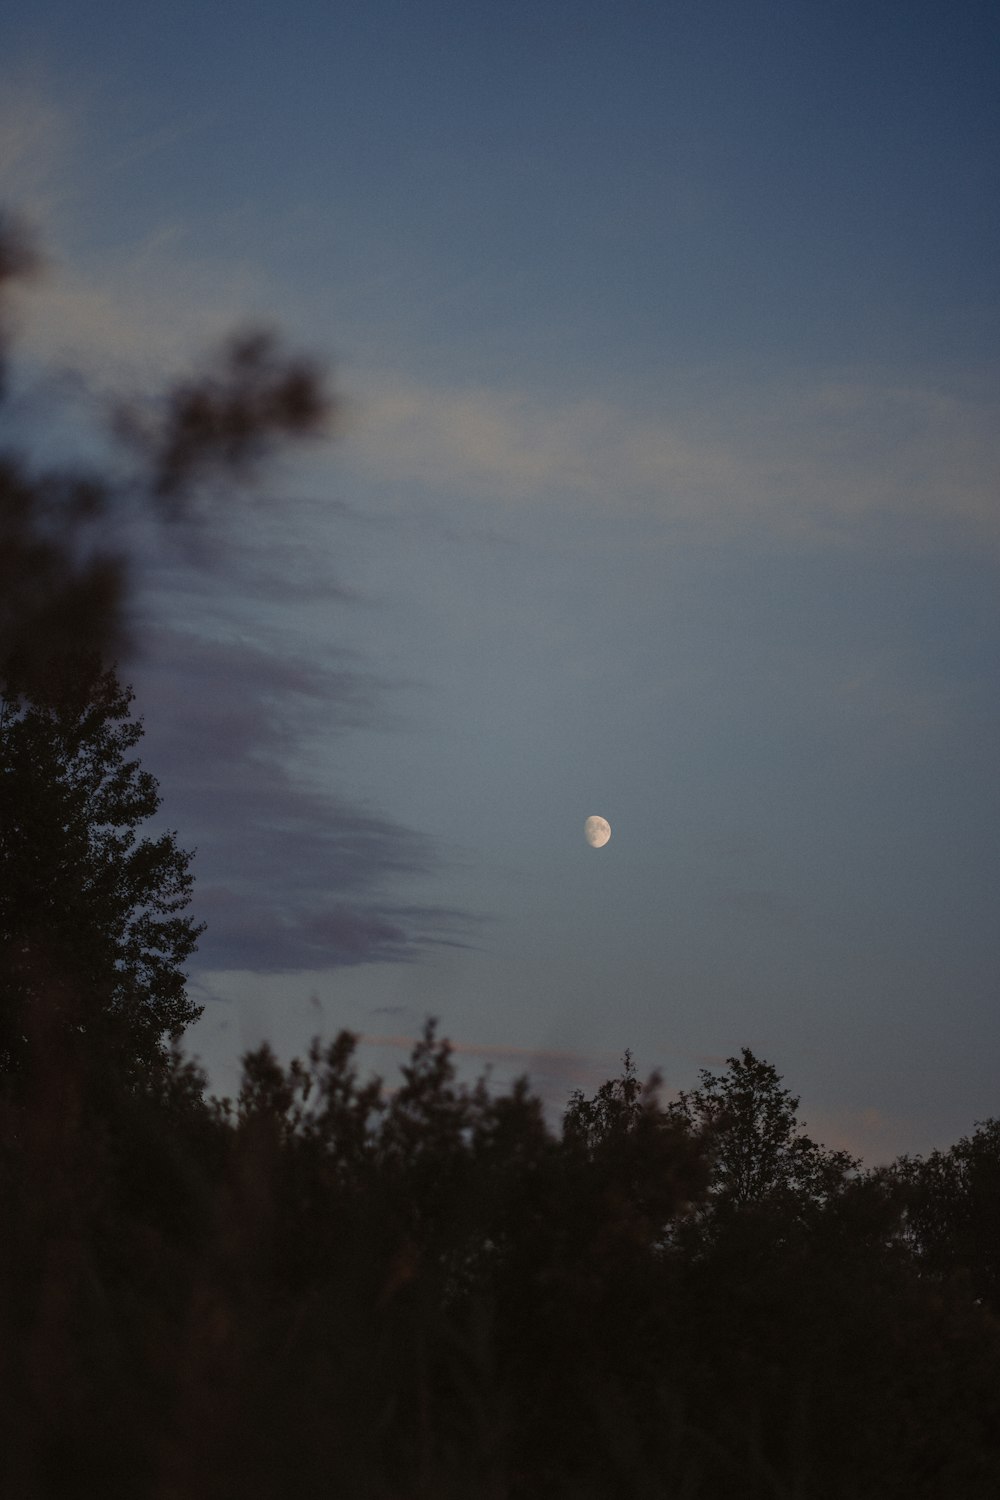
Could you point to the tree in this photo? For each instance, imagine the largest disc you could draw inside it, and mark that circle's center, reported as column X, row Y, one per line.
column 760, row 1152
column 92, row 936
column 614, row 1110
column 92, row 931
column 953, row 1210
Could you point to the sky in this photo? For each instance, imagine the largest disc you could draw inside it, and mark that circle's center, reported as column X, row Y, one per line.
column 664, row 487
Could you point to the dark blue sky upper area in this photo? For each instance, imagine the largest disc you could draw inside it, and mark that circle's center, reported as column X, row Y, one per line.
column 774, row 176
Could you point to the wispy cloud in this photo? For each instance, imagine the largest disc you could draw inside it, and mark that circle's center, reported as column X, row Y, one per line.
column 151, row 303
column 288, row 875
column 153, row 307
column 817, row 461
column 818, row 458
column 36, row 148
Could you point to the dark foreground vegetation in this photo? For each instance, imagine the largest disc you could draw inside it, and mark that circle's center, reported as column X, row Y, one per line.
column 328, row 1288
column 331, row 1290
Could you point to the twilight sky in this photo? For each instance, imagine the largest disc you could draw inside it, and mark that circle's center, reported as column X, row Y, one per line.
column 665, row 488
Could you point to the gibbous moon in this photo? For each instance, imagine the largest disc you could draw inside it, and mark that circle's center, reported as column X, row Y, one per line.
column 597, row 831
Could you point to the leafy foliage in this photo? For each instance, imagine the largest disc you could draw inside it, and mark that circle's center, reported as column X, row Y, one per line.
column 427, row 1291
column 760, row 1153
column 953, row 1210
column 92, row 931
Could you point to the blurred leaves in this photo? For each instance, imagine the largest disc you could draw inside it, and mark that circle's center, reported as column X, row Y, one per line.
column 64, row 581
column 228, row 421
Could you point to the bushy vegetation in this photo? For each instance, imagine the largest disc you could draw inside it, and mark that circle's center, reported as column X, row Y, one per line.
column 328, row 1288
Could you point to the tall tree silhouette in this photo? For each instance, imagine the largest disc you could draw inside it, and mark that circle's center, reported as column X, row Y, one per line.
column 93, row 934
column 91, row 918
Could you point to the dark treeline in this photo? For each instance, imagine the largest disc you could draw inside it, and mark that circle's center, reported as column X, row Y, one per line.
column 328, row 1287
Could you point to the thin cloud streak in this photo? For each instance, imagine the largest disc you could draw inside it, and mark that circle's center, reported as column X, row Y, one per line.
column 154, row 303
column 811, row 464
column 288, row 876
column 815, row 462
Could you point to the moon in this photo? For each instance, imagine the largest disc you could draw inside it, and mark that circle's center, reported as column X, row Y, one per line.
column 597, row 831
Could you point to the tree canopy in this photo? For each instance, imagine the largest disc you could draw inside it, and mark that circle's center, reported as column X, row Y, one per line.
column 953, row 1210
column 760, row 1152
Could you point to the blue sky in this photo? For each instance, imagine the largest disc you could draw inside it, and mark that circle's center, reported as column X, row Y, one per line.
column 665, row 488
